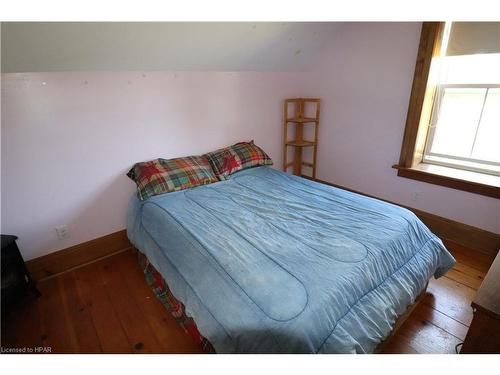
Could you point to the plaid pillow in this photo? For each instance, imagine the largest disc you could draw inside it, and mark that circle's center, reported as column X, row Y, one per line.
column 163, row 176
column 243, row 155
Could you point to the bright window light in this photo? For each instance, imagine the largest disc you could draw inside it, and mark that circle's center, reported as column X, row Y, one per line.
column 470, row 69
column 465, row 126
column 487, row 144
column 459, row 114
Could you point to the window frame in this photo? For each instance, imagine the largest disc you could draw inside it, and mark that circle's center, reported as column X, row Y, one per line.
column 420, row 108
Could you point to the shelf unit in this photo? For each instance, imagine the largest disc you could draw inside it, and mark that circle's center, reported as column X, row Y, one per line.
column 301, row 106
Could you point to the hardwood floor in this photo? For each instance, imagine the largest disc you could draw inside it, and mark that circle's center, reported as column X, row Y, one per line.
column 441, row 321
column 107, row 307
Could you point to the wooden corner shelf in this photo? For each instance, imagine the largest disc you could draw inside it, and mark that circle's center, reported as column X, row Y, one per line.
column 299, row 119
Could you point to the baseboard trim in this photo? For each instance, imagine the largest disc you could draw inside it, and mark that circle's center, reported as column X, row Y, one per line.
column 76, row 256
column 446, row 229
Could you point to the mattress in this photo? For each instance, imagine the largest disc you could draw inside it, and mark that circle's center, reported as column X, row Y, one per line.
column 266, row 262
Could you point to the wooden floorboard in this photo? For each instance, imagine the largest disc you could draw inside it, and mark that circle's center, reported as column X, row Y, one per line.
column 111, row 335
column 399, row 344
column 470, row 278
column 56, row 332
column 79, row 315
column 137, row 329
column 107, row 307
column 426, row 338
column 469, row 257
column 430, row 315
column 441, row 321
column 168, row 333
column 451, row 298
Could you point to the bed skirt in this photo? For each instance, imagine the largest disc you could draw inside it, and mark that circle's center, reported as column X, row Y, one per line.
column 161, row 290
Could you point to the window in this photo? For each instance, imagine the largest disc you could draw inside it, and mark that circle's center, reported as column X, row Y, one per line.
column 453, row 119
column 464, row 131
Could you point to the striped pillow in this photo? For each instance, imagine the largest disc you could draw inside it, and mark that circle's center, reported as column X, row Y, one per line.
column 163, row 176
column 237, row 157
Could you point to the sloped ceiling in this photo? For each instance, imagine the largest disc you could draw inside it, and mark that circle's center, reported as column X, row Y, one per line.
column 142, row 46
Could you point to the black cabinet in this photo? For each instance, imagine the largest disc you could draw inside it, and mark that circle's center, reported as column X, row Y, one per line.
column 16, row 279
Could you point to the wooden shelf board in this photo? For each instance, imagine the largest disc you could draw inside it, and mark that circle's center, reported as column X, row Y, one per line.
column 300, row 143
column 295, row 100
column 302, row 120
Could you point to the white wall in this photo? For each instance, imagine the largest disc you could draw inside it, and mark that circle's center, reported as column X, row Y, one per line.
column 67, row 144
column 364, row 80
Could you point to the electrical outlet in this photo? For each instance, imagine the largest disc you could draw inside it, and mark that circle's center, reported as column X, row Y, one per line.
column 415, row 196
column 62, row 232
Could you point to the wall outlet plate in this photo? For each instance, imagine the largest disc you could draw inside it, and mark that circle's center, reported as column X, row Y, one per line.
column 62, row 232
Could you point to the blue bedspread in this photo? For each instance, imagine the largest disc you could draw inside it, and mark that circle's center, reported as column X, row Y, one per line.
column 269, row 262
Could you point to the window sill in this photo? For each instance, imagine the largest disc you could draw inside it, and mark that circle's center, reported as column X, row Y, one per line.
column 472, row 182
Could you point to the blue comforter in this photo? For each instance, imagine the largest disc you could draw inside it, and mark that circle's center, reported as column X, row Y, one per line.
column 269, row 262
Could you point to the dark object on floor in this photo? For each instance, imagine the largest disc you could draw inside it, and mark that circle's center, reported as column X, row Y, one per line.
column 484, row 333
column 16, row 279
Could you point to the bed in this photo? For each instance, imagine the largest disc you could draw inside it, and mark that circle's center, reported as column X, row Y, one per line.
column 267, row 262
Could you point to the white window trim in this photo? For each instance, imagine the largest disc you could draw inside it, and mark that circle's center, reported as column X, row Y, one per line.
column 454, row 161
